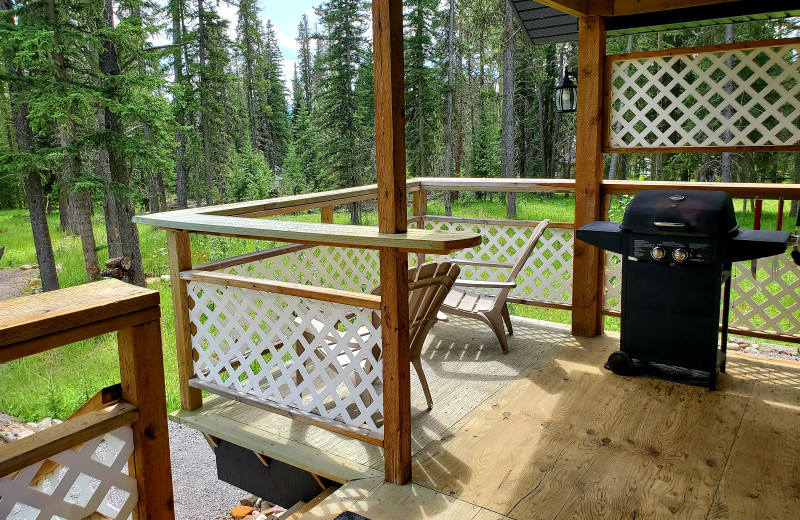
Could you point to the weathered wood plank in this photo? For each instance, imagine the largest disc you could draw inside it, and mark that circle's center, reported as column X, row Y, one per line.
column 56, row 311
column 586, row 298
column 246, row 258
column 737, row 190
column 180, row 259
column 368, row 301
column 46, row 443
column 141, row 369
column 498, row 185
column 314, row 234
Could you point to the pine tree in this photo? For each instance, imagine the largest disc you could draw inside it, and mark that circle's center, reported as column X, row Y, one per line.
column 305, row 61
column 344, row 23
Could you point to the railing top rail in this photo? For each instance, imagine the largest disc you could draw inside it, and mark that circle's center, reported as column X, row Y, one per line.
column 737, row 190
column 415, row 240
column 722, row 47
column 48, row 316
column 497, row 184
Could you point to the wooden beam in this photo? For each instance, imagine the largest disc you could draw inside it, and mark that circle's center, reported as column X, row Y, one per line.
column 141, row 369
column 356, row 299
column 327, row 215
column 24, row 452
column 387, row 26
column 577, row 8
column 628, row 7
column 180, row 259
column 246, row 258
column 339, row 235
column 587, row 291
column 737, row 190
column 498, row 184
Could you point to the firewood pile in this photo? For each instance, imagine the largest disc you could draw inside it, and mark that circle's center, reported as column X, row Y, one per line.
column 118, row 268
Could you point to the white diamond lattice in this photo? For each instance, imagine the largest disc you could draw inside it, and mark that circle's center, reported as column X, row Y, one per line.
column 90, row 480
column 770, row 302
column 311, row 355
column 746, row 97
column 333, row 267
column 545, row 277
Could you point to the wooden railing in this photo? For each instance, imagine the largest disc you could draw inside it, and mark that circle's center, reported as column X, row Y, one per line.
column 327, row 271
column 70, row 469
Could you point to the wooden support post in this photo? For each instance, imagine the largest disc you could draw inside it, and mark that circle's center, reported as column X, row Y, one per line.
column 327, row 215
column 587, row 290
column 419, row 203
column 180, row 259
column 387, row 24
column 142, row 374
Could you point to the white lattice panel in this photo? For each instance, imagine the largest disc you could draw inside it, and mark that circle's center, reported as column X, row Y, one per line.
column 333, row 267
column 314, row 356
column 770, row 302
column 745, row 97
column 546, row 276
column 93, row 479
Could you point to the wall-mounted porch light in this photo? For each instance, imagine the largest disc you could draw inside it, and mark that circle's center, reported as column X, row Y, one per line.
column 567, row 93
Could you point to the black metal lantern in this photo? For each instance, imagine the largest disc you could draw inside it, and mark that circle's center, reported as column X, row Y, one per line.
column 567, row 93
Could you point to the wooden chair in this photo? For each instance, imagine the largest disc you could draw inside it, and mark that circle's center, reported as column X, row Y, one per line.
column 470, row 298
column 428, row 287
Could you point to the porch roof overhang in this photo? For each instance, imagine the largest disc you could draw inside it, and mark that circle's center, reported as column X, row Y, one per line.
column 556, row 21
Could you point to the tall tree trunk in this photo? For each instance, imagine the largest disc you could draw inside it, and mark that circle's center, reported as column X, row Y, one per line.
column 80, row 200
column 612, row 167
column 204, row 109
column 542, row 129
column 128, row 232
column 32, row 179
column 176, row 8
column 507, row 151
column 451, row 57
column 109, row 202
column 727, row 113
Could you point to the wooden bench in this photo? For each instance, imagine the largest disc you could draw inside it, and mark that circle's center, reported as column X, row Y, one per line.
column 46, row 321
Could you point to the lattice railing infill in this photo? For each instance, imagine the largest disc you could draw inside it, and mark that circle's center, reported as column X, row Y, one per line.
column 91, row 479
column 331, row 267
column 742, row 97
column 317, row 357
column 770, row 302
column 545, row 277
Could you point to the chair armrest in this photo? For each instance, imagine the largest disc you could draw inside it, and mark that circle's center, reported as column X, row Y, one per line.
column 486, row 285
column 482, row 263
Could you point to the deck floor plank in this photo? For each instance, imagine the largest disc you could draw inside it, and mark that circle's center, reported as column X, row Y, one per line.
column 545, row 432
column 762, row 476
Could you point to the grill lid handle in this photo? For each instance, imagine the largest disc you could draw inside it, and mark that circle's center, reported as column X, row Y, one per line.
column 669, row 224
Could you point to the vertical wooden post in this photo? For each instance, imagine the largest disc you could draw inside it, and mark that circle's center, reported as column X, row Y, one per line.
column 327, row 214
column 586, row 289
column 419, row 203
column 142, row 374
column 387, row 24
column 180, row 259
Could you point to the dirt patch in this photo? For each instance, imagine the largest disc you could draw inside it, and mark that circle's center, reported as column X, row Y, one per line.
column 14, row 281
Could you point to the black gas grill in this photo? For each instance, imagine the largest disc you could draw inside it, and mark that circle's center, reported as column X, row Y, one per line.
column 677, row 248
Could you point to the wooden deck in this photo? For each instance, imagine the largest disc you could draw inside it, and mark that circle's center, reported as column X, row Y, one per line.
column 545, row 432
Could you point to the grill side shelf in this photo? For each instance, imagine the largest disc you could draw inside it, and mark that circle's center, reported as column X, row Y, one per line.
column 750, row 244
column 605, row 235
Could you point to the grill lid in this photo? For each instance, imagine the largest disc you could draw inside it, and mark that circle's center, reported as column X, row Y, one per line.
column 684, row 212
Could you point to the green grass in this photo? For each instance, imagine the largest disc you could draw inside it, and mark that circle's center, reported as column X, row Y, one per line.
column 55, row 383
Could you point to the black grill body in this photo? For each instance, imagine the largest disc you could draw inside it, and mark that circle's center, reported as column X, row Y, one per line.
column 677, row 249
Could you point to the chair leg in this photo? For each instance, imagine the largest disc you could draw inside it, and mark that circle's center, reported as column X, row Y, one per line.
column 495, row 321
column 424, row 382
column 507, row 318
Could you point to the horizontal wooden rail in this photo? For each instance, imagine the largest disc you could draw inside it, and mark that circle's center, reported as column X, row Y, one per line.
column 490, row 221
column 737, row 190
column 415, row 240
column 292, row 413
column 721, row 47
column 24, row 452
column 497, row 185
column 367, row 301
column 233, row 261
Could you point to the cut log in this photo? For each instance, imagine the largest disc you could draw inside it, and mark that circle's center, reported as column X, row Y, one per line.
column 120, row 262
column 117, row 273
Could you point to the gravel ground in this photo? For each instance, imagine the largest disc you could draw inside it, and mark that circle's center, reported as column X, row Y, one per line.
column 14, row 281
column 199, row 495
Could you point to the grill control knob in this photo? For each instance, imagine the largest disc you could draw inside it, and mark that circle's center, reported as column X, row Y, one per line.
column 657, row 253
column 680, row 255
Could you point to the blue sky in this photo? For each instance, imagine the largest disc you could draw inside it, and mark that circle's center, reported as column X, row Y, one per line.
column 285, row 16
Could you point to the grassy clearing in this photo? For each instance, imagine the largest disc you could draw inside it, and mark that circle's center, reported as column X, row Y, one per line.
column 55, row 383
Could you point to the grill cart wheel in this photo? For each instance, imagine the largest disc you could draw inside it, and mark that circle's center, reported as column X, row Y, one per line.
column 620, row 363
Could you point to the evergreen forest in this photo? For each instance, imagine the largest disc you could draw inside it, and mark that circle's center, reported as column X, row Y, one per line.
column 100, row 117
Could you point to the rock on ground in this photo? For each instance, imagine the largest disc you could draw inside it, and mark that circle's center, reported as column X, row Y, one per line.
column 199, row 495
column 14, row 281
